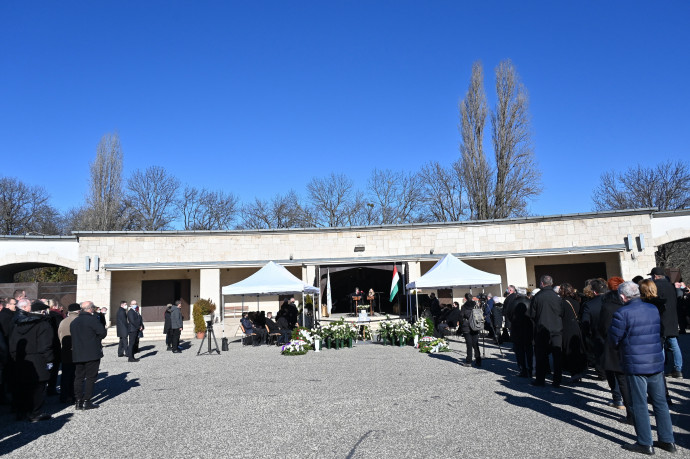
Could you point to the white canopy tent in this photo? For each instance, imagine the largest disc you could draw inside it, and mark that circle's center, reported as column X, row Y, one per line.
column 272, row 279
column 451, row 272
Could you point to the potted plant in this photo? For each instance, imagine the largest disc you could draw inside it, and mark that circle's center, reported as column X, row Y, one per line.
column 201, row 308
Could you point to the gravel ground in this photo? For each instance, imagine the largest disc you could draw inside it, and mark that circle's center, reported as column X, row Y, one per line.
column 368, row 401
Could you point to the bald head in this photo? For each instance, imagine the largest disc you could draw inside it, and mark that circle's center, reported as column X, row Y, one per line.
column 87, row 306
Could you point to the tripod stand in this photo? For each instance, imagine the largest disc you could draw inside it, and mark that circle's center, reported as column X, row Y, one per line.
column 209, row 334
column 496, row 337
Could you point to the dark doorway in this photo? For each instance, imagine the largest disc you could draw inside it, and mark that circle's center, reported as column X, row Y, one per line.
column 157, row 294
column 344, row 279
column 575, row 274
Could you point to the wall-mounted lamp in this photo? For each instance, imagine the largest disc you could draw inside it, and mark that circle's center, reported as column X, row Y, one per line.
column 628, row 242
column 640, row 242
column 359, row 248
column 96, row 262
column 431, row 251
column 291, row 257
column 87, row 263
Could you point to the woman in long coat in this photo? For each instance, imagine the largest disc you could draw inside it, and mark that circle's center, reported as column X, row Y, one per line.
column 574, row 357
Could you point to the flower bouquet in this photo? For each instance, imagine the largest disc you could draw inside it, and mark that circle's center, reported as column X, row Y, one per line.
column 296, row 347
column 431, row 345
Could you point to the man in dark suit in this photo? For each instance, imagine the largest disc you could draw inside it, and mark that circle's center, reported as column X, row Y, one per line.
column 122, row 329
column 275, row 328
column 87, row 333
column 547, row 312
column 669, row 322
column 134, row 326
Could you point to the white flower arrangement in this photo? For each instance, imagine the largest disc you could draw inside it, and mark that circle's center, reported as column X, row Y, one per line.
column 294, row 348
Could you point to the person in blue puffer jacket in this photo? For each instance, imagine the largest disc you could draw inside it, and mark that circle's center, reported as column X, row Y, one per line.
column 636, row 332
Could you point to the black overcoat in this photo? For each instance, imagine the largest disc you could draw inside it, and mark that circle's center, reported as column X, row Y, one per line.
column 87, row 333
column 121, row 322
column 31, row 347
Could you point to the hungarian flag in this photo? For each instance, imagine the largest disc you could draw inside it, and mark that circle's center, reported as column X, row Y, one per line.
column 394, row 283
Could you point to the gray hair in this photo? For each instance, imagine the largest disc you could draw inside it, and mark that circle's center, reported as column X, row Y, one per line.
column 87, row 305
column 546, row 281
column 629, row 290
column 24, row 302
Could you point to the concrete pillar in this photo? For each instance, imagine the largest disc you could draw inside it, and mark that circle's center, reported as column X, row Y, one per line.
column 516, row 272
column 209, row 286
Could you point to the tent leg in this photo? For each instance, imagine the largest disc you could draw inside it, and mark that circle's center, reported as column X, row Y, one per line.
column 416, row 297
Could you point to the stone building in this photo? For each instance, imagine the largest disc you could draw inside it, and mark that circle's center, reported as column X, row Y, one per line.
column 157, row 267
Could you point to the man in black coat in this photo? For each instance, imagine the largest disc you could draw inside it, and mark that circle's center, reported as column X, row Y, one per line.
column 122, row 329
column 521, row 333
column 166, row 327
column 594, row 342
column 669, row 322
column 134, row 326
column 547, row 313
column 31, row 349
column 87, row 333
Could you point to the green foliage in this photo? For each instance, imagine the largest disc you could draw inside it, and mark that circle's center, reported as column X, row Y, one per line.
column 47, row 274
column 199, row 310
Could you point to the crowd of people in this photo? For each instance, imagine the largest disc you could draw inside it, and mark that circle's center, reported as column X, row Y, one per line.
column 260, row 326
column 37, row 339
column 626, row 332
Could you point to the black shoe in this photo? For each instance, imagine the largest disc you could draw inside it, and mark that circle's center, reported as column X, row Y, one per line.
column 538, row 384
column 122, row 355
column 52, row 392
column 79, row 405
column 89, row 405
column 670, row 447
column 637, row 448
column 523, row 374
column 177, row 351
column 677, row 375
column 169, row 348
column 132, row 360
column 40, row 417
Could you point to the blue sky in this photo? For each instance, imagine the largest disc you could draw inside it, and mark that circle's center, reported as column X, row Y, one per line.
column 258, row 97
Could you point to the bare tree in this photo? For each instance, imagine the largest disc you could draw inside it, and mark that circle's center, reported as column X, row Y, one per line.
column 475, row 168
column 152, row 197
column 665, row 186
column 397, row 196
column 104, row 202
column 283, row 211
column 334, row 200
column 502, row 189
column 25, row 209
column 207, row 210
column 517, row 177
column 443, row 192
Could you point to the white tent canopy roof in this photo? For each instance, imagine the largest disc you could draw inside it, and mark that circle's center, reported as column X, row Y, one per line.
column 451, row 272
column 272, row 279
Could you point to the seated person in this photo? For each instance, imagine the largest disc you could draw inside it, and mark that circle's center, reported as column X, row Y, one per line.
column 284, row 325
column 442, row 330
column 275, row 328
column 249, row 328
column 453, row 316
